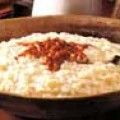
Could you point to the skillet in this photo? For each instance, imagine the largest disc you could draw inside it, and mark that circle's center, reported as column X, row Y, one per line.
column 59, row 108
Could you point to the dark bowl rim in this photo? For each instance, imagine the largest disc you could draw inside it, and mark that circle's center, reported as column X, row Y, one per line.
column 53, row 99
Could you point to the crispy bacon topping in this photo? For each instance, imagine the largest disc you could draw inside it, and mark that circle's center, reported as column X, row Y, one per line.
column 56, row 51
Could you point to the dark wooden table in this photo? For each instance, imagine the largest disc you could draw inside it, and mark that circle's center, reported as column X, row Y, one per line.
column 110, row 115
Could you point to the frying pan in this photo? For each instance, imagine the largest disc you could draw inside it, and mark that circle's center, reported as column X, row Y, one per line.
column 59, row 108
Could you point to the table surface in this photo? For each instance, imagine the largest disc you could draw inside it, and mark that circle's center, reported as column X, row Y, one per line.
column 110, row 115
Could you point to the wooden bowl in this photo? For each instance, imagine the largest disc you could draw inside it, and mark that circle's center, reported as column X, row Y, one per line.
column 64, row 107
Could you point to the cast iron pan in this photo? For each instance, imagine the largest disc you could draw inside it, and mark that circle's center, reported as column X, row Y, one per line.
column 64, row 107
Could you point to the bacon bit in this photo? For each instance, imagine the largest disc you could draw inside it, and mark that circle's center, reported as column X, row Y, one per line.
column 56, row 51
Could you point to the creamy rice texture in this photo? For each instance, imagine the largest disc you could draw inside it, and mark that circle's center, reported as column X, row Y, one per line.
column 28, row 77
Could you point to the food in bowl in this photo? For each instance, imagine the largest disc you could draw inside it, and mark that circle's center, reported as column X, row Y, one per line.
column 57, row 65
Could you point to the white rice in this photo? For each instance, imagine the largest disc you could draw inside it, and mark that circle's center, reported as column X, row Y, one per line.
column 30, row 78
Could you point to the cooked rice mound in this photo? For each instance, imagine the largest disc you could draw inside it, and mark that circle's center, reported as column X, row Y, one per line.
column 28, row 77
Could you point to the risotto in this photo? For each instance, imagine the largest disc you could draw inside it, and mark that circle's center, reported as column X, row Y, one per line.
column 59, row 65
